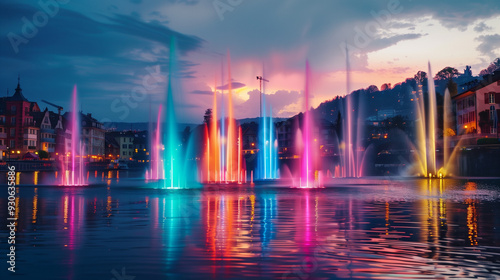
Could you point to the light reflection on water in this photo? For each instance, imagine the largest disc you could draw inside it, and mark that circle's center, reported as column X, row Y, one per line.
column 418, row 229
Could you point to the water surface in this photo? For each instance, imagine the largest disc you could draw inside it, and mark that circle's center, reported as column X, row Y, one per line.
column 412, row 229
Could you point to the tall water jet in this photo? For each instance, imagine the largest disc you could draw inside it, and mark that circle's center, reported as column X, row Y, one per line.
column 172, row 155
column 431, row 133
column 223, row 161
column 307, row 170
column 426, row 126
column 420, row 126
column 447, row 132
column 353, row 151
column 156, row 168
column 268, row 153
column 213, row 145
column 73, row 174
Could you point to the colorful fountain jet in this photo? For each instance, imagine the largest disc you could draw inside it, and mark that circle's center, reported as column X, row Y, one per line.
column 156, row 164
column 168, row 159
column 223, row 160
column 308, row 173
column 72, row 162
column 267, row 165
column 352, row 128
column 427, row 162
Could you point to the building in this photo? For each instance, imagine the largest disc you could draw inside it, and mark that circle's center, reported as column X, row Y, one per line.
column 249, row 133
column 477, row 107
column 112, row 147
column 51, row 132
column 133, row 145
column 93, row 137
column 18, row 131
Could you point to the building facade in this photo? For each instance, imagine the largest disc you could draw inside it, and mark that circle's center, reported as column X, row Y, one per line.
column 18, row 130
column 478, row 107
column 93, row 137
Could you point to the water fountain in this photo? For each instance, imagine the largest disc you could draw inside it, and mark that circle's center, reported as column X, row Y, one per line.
column 306, row 145
column 156, row 164
column 426, row 128
column 168, row 159
column 353, row 153
column 223, row 161
column 72, row 161
column 267, row 165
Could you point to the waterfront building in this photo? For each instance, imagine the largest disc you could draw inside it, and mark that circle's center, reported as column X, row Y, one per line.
column 18, row 131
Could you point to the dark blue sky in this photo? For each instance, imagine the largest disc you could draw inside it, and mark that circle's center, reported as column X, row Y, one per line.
column 117, row 51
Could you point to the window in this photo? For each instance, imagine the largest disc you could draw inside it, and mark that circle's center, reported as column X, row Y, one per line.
column 13, row 109
column 124, row 153
column 13, row 120
column 12, row 144
column 12, row 132
column 492, row 98
column 124, row 146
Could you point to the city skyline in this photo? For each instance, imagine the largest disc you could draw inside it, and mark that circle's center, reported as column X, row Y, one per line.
column 109, row 50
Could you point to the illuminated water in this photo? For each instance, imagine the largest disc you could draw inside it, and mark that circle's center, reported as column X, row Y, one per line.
column 414, row 229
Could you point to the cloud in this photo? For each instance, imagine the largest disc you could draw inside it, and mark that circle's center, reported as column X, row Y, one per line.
column 383, row 43
column 234, row 85
column 279, row 101
column 481, row 27
column 488, row 45
column 205, row 92
column 106, row 58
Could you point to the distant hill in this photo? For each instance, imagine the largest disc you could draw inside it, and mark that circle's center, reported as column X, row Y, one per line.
column 122, row 126
column 249, row 120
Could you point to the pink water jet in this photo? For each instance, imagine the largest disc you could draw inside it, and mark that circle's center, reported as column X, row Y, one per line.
column 72, row 162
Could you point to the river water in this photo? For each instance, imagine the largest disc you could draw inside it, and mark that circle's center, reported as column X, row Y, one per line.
column 409, row 229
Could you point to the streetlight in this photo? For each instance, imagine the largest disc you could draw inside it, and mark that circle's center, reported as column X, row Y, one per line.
column 260, row 78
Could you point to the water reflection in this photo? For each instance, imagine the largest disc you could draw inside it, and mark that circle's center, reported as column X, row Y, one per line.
column 423, row 229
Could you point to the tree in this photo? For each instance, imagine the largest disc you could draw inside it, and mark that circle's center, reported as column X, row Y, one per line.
column 338, row 126
column 207, row 118
column 385, row 86
column 495, row 65
column 447, row 73
column 452, row 87
column 420, row 77
column 372, row 89
column 43, row 154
